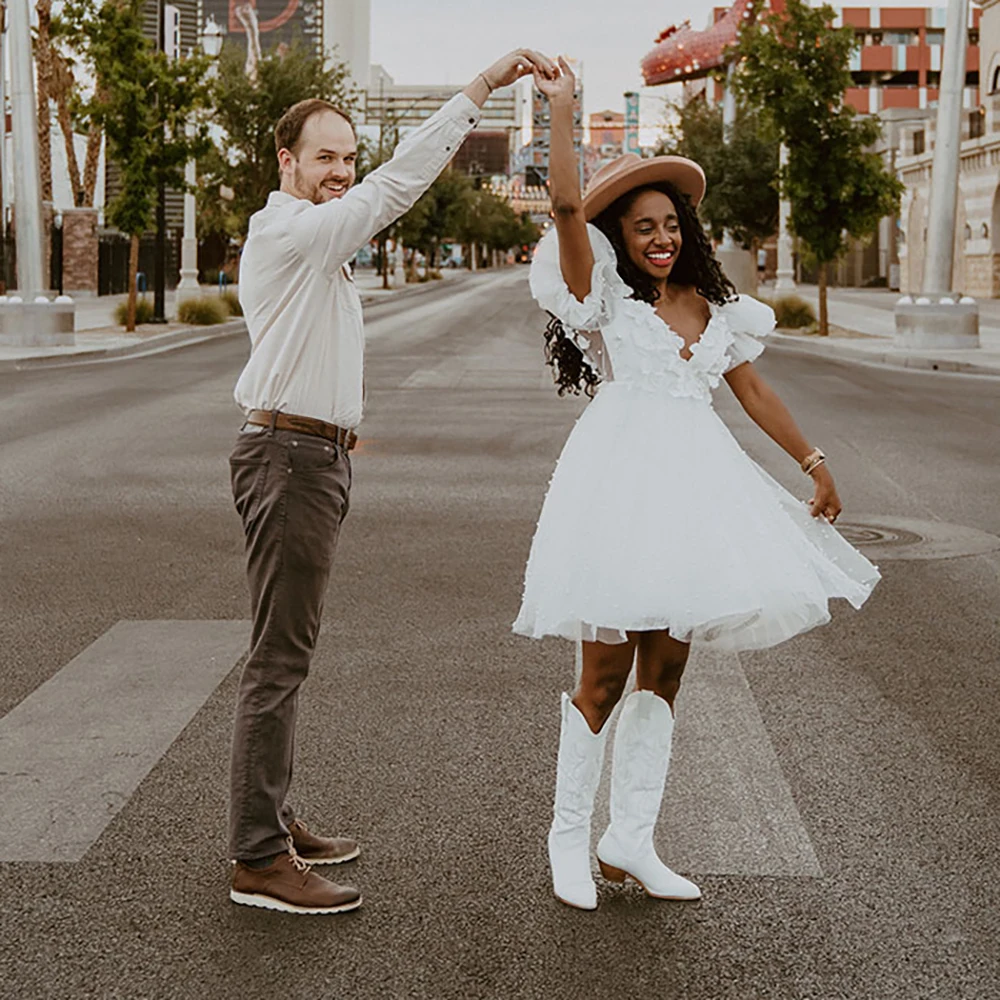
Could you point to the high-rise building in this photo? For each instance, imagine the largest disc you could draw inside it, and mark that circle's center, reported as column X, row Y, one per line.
column 347, row 32
column 537, row 167
column 487, row 151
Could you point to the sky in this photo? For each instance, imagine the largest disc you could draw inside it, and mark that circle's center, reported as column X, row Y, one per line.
column 443, row 41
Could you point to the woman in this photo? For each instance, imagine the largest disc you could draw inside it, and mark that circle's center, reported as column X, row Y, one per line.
column 657, row 529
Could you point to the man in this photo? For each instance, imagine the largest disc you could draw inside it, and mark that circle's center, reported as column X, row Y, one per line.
column 301, row 393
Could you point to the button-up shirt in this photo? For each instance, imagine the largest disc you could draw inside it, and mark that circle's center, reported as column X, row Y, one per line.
column 302, row 309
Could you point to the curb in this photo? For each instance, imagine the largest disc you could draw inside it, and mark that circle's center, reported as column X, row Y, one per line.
column 904, row 361
column 152, row 345
column 178, row 338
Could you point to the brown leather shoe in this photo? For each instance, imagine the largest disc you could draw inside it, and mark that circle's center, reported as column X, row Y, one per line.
column 291, row 886
column 314, row 850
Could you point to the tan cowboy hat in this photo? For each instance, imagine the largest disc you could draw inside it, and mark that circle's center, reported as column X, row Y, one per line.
column 632, row 171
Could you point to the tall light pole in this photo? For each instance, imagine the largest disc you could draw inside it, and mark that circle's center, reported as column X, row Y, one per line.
column 944, row 179
column 938, row 317
column 3, row 152
column 212, row 37
column 784, row 280
column 739, row 265
column 27, row 189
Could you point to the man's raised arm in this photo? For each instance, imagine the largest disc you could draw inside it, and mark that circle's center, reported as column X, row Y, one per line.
column 328, row 235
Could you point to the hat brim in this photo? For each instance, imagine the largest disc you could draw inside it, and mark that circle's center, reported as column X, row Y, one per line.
column 682, row 173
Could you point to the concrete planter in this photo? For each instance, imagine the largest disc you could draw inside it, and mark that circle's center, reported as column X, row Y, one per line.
column 36, row 324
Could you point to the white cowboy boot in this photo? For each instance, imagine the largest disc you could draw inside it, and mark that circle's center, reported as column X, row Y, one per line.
column 638, row 775
column 578, row 772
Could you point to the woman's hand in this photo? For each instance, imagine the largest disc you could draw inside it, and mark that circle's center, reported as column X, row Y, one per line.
column 559, row 87
column 825, row 502
column 514, row 65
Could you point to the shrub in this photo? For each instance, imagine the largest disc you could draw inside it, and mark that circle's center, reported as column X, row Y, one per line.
column 143, row 311
column 231, row 301
column 793, row 313
column 204, row 311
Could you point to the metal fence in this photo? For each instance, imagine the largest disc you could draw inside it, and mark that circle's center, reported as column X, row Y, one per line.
column 112, row 263
column 8, row 262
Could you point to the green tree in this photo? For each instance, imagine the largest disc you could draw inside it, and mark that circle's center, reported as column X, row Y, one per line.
column 143, row 103
column 795, row 70
column 437, row 216
column 742, row 175
column 243, row 159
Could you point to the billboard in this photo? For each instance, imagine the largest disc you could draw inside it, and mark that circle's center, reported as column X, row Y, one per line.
column 268, row 23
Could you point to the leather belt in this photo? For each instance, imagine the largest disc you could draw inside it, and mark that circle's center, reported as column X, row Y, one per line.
column 306, row 425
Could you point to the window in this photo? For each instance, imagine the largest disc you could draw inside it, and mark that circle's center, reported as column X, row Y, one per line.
column 899, row 38
column 995, row 83
column 918, row 142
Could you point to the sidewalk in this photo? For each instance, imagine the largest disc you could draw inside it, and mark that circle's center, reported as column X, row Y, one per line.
column 863, row 328
column 100, row 338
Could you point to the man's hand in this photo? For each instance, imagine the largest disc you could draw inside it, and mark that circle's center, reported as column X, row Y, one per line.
column 825, row 502
column 560, row 87
column 514, row 65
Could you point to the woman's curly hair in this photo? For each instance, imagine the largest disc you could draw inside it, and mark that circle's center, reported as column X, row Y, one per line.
column 695, row 266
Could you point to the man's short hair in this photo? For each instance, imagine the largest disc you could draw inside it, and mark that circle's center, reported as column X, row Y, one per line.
column 288, row 131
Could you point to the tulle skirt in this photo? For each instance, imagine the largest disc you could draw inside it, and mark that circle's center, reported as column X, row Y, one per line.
column 655, row 518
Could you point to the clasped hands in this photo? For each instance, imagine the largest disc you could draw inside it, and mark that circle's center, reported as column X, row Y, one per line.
column 554, row 79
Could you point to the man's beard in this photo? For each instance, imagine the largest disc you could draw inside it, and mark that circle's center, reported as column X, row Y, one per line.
column 302, row 189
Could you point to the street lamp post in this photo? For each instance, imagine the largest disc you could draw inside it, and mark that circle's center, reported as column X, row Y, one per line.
column 160, row 246
column 27, row 189
column 29, row 318
column 784, row 280
column 212, row 38
column 3, row 151
column 738, row 263
column 940, row 317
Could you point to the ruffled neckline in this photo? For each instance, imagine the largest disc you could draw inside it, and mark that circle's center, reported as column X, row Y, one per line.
column 708, row 349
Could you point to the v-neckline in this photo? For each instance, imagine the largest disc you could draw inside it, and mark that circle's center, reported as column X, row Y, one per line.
column 682, row 344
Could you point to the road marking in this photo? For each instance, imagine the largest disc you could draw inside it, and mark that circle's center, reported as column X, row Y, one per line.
column 728, row 809
column 75, row 749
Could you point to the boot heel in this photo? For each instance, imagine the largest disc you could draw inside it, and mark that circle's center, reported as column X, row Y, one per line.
column 611, row 873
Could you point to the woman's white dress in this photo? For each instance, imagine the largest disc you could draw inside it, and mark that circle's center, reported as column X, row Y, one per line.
column 655, row 517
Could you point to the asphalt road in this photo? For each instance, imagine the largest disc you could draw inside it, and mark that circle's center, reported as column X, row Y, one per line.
column 429, row 731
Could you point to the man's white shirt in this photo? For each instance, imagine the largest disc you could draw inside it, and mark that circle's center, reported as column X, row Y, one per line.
column 302, row 309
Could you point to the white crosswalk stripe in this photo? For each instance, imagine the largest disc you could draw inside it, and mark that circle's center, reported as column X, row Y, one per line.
column 75, row 749
column 728, row 809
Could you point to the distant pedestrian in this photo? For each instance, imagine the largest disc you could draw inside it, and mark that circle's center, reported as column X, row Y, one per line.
column 301, row 393
column 657, row 530
column 761, row 263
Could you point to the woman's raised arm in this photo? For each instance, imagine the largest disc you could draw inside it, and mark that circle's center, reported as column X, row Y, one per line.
column 576, row 259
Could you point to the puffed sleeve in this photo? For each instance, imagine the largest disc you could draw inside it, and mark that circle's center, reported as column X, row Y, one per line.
column 750, row 321
column 551, row 292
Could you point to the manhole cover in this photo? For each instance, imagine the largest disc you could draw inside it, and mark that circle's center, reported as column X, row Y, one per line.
column 884, row 538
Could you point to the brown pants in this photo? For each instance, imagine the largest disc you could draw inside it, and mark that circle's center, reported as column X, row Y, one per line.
column 291, row 491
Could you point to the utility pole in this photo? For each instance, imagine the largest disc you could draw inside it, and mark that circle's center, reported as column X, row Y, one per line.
column 27, row 189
